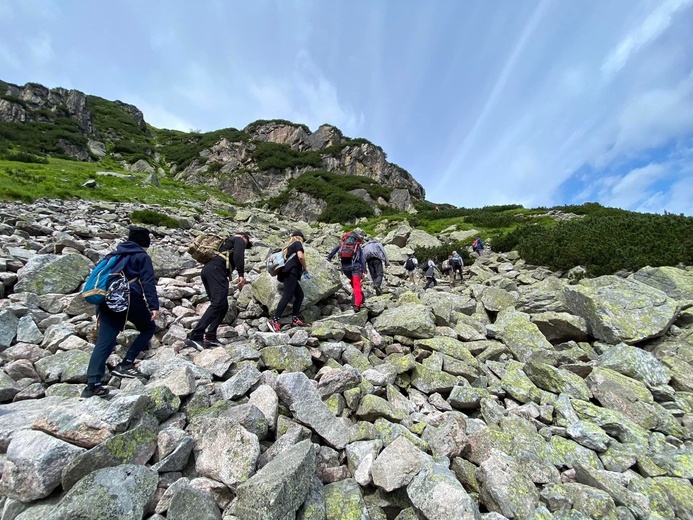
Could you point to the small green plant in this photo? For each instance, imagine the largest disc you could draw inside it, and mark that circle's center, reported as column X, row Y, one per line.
column 153, row 218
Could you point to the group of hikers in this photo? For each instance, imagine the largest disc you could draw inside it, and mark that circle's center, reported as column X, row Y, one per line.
column 142, row 309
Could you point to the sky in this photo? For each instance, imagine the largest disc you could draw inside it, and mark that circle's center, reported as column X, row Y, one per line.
column 539, row 103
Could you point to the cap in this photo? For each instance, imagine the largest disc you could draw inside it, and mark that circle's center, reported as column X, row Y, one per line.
column 139, row 236
column 298, row 233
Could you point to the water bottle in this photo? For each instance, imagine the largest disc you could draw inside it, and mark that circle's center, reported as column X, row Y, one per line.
column 306, row 276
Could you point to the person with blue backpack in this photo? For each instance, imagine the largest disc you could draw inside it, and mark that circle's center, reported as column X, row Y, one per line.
column 142, row 309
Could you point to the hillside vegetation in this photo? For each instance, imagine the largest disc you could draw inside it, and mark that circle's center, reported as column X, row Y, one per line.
column 34, row 163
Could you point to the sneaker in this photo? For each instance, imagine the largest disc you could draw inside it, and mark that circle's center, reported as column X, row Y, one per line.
column 213, row 342
column 91, row 391
column 126, row 370
column 275, row 326
column 296, row 322
column 197, row 344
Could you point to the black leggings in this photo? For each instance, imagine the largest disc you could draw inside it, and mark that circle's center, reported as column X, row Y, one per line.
column 292, row 289
column 216, row 281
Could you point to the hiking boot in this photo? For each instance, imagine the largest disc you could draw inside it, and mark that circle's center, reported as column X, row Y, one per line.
column 197, row 344
column 94, row 390
column 126, row 370
column 213, row 342
column 378, row 291
column 296, row 322
column 275, row 326
column 357, row 308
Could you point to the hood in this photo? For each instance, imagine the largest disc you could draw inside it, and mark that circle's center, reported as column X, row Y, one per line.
column 128, row 248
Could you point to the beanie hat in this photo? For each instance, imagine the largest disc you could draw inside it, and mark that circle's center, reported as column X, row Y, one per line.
column 298, row 233
column 139, row 236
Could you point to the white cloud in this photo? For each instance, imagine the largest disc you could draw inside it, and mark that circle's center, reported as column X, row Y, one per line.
column 634, row 187
column 652, row 27
column 160, row 117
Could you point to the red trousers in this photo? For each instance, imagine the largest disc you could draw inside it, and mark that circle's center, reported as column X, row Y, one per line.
column 358, row 291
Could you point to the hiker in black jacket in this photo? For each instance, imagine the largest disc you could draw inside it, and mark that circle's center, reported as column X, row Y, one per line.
column 290, row 276
column 215, row 277
column 143, row 309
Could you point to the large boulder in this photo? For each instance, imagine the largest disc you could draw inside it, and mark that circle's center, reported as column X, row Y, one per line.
column 122, row 492
column 280, row 487
column 674, row 282
column 618, row 310
column 411, row 320
column 45, row 274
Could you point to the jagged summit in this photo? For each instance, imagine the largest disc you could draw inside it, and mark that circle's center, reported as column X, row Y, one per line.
column 251, row 165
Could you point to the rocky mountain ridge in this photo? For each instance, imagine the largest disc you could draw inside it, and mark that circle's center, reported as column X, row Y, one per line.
column 228, row 160
column 518, row 394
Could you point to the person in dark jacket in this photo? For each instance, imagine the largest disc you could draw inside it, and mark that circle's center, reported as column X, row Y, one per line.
column 354, row 269
column 291, row 275
column 375, row 257
column 142, row 310
column 215, row 278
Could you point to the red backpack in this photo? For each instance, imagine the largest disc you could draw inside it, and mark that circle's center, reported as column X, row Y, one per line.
column 350, row 243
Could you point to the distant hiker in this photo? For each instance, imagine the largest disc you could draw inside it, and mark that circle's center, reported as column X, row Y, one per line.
column 290, row 276
column 445, row 267
column 353, row 263
column 437, row 208
column 375, row 256
column 410, row 267
column 142, row 310
column 478, row 246
column 456, row 264
column 215, row 277
column 430, row 269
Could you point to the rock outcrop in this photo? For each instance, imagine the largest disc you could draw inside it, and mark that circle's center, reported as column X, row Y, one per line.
column 516, row 394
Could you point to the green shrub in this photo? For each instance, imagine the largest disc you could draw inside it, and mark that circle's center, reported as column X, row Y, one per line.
column 261, row 122
column 334, row 189
column 24, row 157
column 280, row 156
column 182, row 148
column 604, row 242
column 153, row 218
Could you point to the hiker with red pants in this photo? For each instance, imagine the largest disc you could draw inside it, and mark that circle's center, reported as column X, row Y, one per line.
column 353, row 264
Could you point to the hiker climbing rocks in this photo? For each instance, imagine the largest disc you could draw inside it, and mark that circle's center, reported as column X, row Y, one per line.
column 215, row 278
column 429, row 270
column 142, row 310
column 375, row 256
column 410, row 267
column 478, row 246
column 353, row 263
column 290, row 275
column 456, row 265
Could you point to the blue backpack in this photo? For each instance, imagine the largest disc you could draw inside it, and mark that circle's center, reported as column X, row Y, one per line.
column 99, row 280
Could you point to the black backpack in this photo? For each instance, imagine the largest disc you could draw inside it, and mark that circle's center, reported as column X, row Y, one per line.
column 409, row 265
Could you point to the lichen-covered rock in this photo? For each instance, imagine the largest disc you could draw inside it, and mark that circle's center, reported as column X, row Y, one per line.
column 286, row 358
column 520, row 335
column 412, row 321
column 676, row 283
column 344, row 501
column 224, row 450
column 505, row 489
column 618, row 310
column 121, row 492
column 636, row 363
column 189, row 502
column 557, row 380
column 136, row 446
column 277, row 490
column 398, row 463
column 34, row 464
column 8, row 328
column 439, row 495
column 45, row 274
